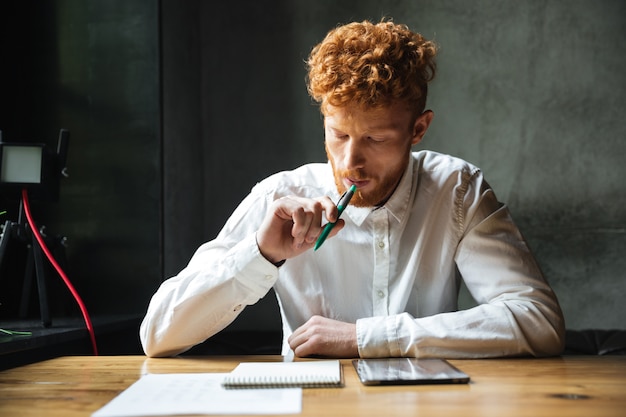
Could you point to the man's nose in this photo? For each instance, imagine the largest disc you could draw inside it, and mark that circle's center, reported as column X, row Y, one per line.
column 353, row 157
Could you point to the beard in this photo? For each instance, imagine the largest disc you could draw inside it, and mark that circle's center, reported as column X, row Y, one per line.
column 386, row 183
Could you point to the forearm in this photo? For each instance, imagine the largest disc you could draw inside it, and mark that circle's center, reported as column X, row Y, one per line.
column 205, row 297
column 489, row 330
column 175, row 323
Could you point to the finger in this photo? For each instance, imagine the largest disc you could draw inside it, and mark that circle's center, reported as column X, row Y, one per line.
column 303, row 347
column 296, row 339
column 301, row 222
column 337, row 228
column 329, row 208
column 315, row 228
column 303, row 350
column 307, row 222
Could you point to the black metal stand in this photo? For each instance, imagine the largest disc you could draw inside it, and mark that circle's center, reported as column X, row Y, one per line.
column 20, row 232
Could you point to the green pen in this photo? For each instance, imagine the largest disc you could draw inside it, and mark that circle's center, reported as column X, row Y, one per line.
column 341, row 205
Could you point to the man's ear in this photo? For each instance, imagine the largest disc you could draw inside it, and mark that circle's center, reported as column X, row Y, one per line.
column 421, row 126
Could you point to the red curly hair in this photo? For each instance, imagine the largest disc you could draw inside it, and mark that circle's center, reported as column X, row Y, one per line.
column 371, row 65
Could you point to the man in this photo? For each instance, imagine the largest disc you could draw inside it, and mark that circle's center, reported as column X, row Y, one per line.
column 385, row 283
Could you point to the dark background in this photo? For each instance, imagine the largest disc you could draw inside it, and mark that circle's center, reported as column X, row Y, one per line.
column 177, row 108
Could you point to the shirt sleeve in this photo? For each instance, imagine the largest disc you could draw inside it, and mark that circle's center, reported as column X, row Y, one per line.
column 222, row 277
column 517, row 312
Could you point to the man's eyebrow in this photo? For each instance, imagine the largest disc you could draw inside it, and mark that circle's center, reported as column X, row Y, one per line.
column 384, row 127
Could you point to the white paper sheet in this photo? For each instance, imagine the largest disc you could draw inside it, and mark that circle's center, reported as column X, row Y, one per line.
column 198, row 393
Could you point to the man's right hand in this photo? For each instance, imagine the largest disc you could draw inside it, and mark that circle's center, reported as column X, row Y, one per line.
column 293, row 224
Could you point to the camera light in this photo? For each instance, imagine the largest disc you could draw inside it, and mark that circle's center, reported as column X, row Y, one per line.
column 21, row 164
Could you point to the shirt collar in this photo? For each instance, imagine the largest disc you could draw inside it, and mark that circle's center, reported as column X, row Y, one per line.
column 398, row 203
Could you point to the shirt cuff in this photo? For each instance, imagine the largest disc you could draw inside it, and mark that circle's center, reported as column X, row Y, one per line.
column 250, row 268
column 376, row 337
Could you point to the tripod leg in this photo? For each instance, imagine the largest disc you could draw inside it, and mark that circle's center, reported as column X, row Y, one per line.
column 4, row 240
column 41, row 284
column 28, row 283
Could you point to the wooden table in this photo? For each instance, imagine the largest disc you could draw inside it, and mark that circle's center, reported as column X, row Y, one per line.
column 562, row 386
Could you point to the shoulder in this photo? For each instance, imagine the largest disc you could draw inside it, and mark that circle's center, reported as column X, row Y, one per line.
column 310, row 180
column 455, row 182
column 440, row 173
column 441, row 164
column 305, row 181
column 435, row 167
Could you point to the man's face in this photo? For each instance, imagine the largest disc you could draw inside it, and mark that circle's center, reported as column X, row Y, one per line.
column 371, row 148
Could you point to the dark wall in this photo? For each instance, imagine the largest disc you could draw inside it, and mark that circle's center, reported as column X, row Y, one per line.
column 93, row 68
column 227, row 119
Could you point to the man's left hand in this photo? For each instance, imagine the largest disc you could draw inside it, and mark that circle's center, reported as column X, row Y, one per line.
column 321, row 336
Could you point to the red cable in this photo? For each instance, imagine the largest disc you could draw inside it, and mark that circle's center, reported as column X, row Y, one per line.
column 58, row 268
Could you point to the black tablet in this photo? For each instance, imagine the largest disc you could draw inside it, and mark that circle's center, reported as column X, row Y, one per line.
column 408, row 371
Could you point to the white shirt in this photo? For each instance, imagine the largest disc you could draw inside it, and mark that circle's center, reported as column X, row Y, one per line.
column 394, row 270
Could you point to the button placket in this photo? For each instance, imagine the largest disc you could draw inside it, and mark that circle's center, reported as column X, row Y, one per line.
column 381, row 263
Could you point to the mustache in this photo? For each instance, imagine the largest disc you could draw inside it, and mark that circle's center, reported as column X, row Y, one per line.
column 353, row 174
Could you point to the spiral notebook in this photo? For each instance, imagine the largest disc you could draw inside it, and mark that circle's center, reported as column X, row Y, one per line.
column 306, row 374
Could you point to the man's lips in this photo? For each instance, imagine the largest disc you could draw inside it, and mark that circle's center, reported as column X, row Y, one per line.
column 358, row 183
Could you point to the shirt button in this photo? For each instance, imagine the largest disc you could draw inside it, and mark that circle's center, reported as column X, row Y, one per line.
column 269, row 277
column 381, row 244
column 381, row 294
column 238, row 307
